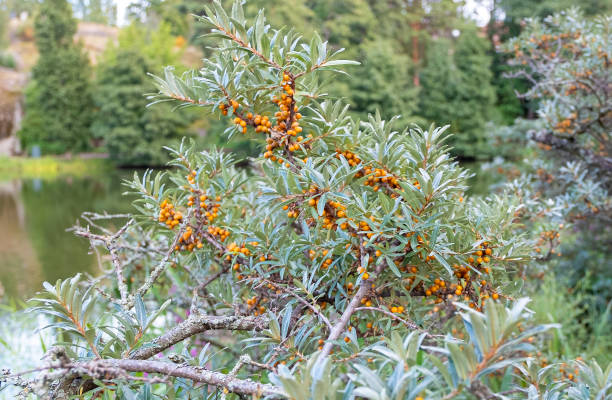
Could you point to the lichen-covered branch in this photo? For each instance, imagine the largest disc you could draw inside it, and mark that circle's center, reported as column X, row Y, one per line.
column 116, row 368
column 197, row 324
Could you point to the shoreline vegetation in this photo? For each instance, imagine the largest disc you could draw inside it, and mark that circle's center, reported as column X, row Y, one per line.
column 51, row 167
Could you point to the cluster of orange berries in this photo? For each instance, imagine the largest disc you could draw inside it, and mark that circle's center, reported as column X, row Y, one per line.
column 235, row 249
column 444, row 290
column 219, row 233
column 351, row 157
column 287, row 121
column 565, row 125
column 571, row 89
column 366, row 302
column 438, row 285
column 273, row 288
column 224, row 107
column 292, row 213
column 412, row 269
column 189, row 241
column 294, row 129
column 544, row 175
column 482, row 256
column 207, row 207
column 543, row 40
column 284, row 102
column 331, row 212
column 254, row 304
column 551, row 237
column 242, row 124
column 169, row 215
column 270, row 146
column 296, row 146
column 261, row 123
column 379, row 177
column 312, row 254
column 364, row 273
column 582, row 74
column 191, row 177
column 567, row 373
column 548, row 43
column 397, row 309
column 365, row 226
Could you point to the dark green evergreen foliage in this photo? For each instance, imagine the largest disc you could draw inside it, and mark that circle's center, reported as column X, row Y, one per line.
column 58, row 101
column 476, row 95
column 439, row 80
column 383, row 82
column 134, row 134
column 457, row 90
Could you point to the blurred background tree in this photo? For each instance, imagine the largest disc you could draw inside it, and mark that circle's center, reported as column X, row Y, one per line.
column 59, row 99
column 423, row 50
column 135, row 135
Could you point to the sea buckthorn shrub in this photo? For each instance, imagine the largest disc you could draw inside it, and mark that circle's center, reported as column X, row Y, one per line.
column 562, row 178
column 566, row 185
column 567, row 59
column 345, row 262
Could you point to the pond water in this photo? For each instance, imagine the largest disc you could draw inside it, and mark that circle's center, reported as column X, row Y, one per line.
column 34, row 216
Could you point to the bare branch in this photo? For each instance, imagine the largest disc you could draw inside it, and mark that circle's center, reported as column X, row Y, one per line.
column 103, row 369
column 345, row 318
column 197, row 324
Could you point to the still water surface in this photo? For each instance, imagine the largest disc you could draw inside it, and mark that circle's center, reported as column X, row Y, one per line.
column 34, row 216
column 35, row 247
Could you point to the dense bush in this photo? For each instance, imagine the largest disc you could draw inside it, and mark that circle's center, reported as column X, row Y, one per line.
column 564, row 175
column 347, row 263
column 567, row 58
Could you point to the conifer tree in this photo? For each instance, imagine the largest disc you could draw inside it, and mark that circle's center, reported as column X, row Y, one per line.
column 476, row 94
column 456, row 89
column 58, row 101
column 384, row 83
column 134, row 134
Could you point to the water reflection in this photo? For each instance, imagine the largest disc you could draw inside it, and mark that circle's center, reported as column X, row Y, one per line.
column 34, row 216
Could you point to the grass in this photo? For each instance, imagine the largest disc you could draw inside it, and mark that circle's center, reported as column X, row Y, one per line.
column 50, row 167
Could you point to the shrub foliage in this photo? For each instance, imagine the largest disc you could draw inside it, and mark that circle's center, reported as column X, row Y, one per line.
column 347, row 262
